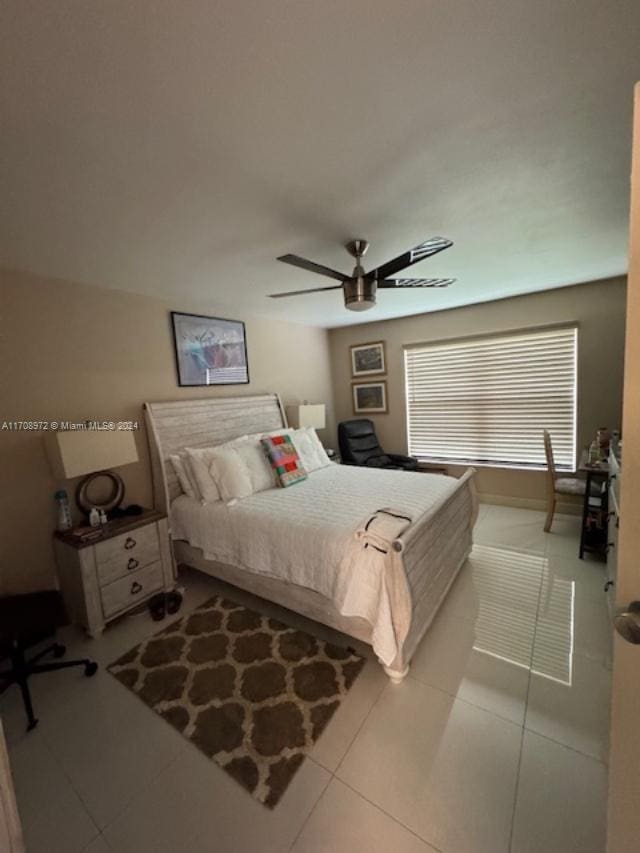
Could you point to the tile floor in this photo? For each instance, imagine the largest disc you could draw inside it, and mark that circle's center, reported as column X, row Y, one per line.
column 497, row 740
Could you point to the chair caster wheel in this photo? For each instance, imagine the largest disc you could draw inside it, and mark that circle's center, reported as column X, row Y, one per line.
column 58, row 650
column 90, row 669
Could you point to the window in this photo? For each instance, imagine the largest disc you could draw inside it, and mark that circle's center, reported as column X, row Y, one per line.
column 487, row 400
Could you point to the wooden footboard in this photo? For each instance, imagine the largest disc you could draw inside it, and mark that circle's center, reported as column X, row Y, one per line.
column 433, row 551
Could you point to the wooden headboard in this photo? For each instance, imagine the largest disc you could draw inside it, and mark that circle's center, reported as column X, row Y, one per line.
column 201, row 423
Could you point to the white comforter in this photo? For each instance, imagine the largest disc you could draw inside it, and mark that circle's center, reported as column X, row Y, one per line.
column 305, row 534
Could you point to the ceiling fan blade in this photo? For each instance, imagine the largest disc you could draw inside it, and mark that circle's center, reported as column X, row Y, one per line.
column 302, row 292
column 416, row 282
column 303, row 263
column 419, row 253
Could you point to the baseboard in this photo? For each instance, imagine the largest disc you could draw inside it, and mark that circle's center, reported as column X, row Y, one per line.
column 564, row 508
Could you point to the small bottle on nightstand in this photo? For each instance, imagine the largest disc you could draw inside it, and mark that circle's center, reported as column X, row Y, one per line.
column 64, row 511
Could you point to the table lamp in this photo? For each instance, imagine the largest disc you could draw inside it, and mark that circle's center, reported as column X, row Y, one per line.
column 90, row 454
column 306, row 415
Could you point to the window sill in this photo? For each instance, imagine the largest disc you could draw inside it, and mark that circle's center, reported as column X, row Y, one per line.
column 507, row 466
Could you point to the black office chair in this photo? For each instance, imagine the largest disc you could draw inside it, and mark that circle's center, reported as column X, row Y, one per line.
column 26, row 620
column 359, row 445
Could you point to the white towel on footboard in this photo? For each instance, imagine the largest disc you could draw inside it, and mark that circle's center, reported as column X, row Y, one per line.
column 377, row 547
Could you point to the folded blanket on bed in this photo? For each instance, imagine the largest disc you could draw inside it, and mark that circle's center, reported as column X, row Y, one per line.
column 381, row 529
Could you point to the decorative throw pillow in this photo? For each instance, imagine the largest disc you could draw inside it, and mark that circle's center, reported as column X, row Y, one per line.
column 281, row 431
column 180, row 467
column 284, row 460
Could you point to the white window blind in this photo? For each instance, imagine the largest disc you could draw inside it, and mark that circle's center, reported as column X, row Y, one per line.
column 488, row 400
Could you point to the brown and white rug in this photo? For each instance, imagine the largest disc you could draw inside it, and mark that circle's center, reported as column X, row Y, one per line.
column 251, row 692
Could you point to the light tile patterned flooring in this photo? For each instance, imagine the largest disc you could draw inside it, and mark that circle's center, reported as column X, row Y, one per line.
column 497, row 740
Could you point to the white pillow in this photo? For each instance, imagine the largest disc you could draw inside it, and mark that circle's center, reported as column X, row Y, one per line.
column 312, row 454
column 228, row 478
column 198, row 461
column 306, row 450
column 258, row 467
column 230, row 472
column 323, row 459
column 179, row 463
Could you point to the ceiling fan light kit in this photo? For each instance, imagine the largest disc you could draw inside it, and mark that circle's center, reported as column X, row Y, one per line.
column 359, row 293
column 360, row 288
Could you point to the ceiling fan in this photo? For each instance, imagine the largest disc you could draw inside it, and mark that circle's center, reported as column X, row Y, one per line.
column 360, row 288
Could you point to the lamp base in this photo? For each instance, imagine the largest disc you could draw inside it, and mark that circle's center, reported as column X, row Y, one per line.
column 115, row 499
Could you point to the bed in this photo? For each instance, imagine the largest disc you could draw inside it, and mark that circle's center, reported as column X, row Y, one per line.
column 296, row 546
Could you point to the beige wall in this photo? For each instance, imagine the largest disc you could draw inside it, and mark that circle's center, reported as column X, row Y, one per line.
column 69, row 351
column 597, row 307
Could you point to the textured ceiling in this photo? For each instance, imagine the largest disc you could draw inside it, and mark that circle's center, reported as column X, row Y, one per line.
column 176, row 148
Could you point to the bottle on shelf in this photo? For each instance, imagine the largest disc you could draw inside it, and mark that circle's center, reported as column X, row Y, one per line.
column 615, row 440
column 594, row 452
column 94, row 517
column 65, row 521
column 604, row 439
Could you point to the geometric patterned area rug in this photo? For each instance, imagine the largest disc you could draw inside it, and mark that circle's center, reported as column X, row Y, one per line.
column 251, row 692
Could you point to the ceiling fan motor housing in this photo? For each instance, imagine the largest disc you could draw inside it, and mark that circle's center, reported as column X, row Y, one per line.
column 359, row 293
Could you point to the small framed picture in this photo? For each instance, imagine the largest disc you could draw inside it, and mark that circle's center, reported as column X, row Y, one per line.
column 209, row 350
column 368, row 359
column 370, row 398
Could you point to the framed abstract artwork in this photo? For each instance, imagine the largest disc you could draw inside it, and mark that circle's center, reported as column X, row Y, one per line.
column 370, row 398
column 368, row 359
column 209, row 350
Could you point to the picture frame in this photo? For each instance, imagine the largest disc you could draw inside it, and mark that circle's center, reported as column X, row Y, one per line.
column 368, row 359
column 209, row 350
column 369, row 398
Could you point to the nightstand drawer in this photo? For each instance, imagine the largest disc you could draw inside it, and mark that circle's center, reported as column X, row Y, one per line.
column 123, row 594
column 123, row 554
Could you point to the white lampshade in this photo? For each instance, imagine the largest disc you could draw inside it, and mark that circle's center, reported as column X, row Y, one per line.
column 74, row 453
column 306, row 415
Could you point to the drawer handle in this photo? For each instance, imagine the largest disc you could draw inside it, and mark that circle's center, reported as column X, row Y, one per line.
column 129, row 543
column 608, row 586
column 133, row 563
column 136, row 588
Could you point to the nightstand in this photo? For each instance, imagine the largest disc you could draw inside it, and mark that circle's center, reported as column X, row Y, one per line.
column 128, row 561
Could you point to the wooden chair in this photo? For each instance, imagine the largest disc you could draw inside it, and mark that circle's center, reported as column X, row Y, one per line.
column 557, row 485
